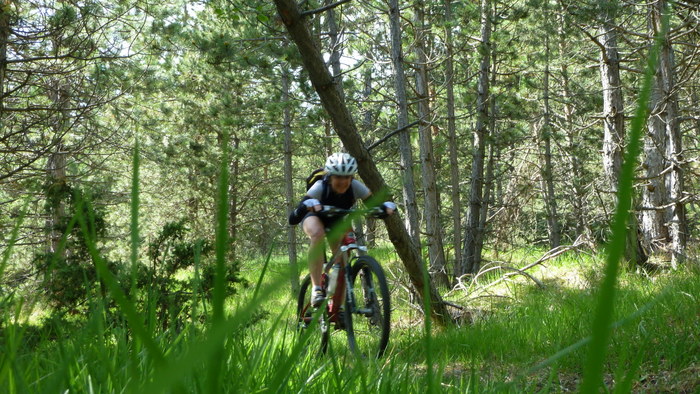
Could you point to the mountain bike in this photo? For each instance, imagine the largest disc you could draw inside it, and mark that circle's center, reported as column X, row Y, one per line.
column 359, row 304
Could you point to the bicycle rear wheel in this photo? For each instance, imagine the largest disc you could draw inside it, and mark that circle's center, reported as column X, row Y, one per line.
column 369, row 323
column 305, row 313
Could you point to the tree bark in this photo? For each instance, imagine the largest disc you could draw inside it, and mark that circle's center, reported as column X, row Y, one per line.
column 452, row 133
column 614, row 124
column 613, row 104
column 436, row 250
column 289, row 190
column 405, row 151
column 347, row 131
column 233, row 210
column 654, row 194
column 547, row 166
column 367, row 124
column 471, row 253
column 577, row 200
column 675, row 217
column 4, row 37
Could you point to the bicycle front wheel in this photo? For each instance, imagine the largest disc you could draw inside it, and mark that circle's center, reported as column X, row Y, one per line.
column 369, row 322
column 306, row 313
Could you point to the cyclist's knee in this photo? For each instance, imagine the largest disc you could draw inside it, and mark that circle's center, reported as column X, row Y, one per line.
column 314, row 229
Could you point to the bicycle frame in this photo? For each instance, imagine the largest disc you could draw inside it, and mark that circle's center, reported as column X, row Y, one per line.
column 344, row 256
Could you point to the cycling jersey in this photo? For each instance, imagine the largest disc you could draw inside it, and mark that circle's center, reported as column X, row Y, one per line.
column 323, row 192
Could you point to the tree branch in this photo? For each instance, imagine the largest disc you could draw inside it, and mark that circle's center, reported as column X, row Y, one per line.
column 324, row 8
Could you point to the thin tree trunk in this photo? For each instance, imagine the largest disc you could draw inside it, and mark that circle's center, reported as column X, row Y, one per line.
column 547, row 167
column 405, row 151
column 575, row 167
column 452, row 133
column 436, row 251
column 490, row 161
column 347, row 131
column 4, row 37
column 56, row 177
column 471, row 253
column 233, row 198
column 57, row 182
column 367, row 125
column 289, row 189
column 613, row 105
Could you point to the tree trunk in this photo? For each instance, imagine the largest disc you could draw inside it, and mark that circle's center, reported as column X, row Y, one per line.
column 289, row 189
column 406, row 157
column 547, row 167
column 471, row 253
column 367, row 125
column 4, row 37
column 614, row 123
column 675, row 218
column 56, row 177
column 452, row 133
column 347, row 131
column 233, row 197
column 613, row 105
column 436, row 251
column 653, row 221
column 576, row 181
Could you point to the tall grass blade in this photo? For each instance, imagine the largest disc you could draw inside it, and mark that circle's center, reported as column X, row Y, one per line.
column 264, row 270
column 593, row 369
column 222, row 241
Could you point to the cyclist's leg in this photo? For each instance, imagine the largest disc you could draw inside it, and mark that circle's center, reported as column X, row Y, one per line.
column 335, row 245
column 315, row 230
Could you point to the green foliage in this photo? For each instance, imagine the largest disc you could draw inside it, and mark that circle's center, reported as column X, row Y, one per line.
column 178, row 268
column 67, row 276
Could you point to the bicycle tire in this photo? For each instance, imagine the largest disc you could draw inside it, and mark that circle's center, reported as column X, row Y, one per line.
column 368, row 324
column 304, row 309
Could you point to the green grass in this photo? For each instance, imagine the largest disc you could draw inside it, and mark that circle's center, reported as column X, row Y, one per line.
column 259, row 349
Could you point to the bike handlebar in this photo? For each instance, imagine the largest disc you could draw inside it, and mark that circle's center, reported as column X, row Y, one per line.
column 331, row 211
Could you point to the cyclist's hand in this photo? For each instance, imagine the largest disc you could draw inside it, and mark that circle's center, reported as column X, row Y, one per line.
column 388, row 207
column 313, row 205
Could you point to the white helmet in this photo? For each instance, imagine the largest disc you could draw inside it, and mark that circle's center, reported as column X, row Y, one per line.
column 341, row 164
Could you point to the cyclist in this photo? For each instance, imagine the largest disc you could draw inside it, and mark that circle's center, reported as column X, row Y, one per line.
column 339, row 189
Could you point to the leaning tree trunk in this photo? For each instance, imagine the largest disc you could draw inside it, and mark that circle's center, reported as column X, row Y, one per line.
column 406, row 157
column 347, row 131
column 436, row 250
column 289, row 190
column 471, row 253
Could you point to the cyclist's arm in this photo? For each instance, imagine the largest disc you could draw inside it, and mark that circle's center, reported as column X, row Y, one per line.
column 307, row 204
column 359, row 189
